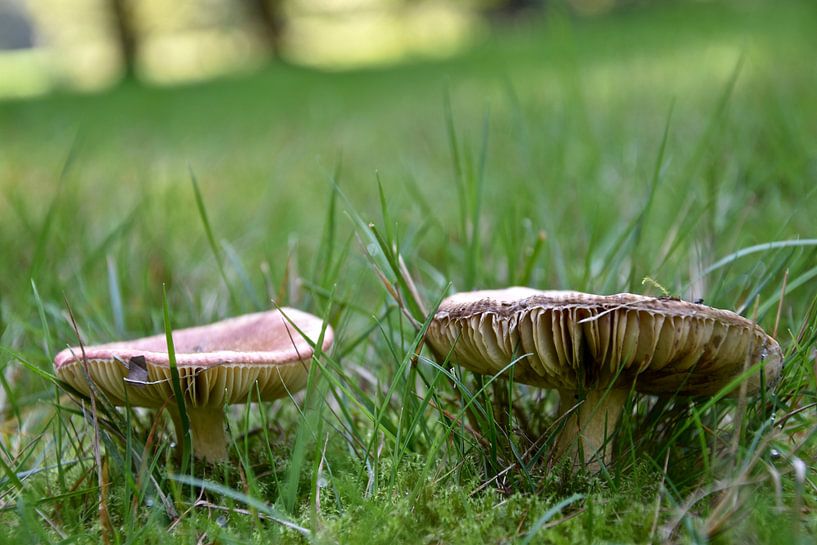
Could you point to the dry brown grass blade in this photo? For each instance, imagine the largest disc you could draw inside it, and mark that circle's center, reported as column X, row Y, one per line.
column 780, row 303
column 729, row 504
column 495, row 478
column 726, row 506
column 659, row 495
column 470, row 425
column 814, row 355
column 104, row 493
column 320, row 474
column 415, row 293
column 104, row 515
column 743, row 393
column 394, row 293
column 53, row 525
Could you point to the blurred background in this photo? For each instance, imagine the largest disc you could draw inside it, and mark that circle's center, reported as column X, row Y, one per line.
column 88, row 44
column 559, row 105
column 92, row 44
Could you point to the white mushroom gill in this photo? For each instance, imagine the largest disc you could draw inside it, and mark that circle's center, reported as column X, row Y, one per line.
column 594, row 349
column 260, row 355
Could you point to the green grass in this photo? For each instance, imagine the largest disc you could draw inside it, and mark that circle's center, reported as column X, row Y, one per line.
column 563, row 154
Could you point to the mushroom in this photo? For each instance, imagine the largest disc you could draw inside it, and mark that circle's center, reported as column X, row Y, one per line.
column 594, row 349
column 218, row 364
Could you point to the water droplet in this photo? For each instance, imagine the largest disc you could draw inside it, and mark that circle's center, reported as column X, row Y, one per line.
column 221, row 521
column 775, row 454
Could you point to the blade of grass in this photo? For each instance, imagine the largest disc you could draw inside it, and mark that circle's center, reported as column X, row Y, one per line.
column 254, row 503
column 186, row 440
column 549, row 514
column 211, row 238
column 641, row 220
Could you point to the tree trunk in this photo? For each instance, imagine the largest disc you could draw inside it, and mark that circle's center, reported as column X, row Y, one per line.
column 510, row 9
column 125, row 31
column 269, row 15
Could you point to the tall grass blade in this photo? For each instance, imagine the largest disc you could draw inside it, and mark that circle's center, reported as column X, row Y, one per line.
column 211, row 238
column 187, row 438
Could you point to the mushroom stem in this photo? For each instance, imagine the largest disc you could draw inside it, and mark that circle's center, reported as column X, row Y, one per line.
column 589, row 426
column 207, row 428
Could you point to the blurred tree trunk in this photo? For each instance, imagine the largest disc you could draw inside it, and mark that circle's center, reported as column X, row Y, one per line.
column 513, row 8
column 126, row 36
column 269, row 14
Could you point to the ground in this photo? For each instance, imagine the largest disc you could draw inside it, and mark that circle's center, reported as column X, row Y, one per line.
column 588, row 154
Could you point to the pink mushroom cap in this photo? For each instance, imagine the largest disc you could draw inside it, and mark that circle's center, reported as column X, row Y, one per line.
column 261, row 356
column 219, row 363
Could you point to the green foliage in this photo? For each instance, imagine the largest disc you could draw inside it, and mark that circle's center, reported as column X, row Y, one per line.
column 545, row 157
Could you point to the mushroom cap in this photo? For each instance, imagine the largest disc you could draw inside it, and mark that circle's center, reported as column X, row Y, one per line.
column 218, row 364
column 575, row 341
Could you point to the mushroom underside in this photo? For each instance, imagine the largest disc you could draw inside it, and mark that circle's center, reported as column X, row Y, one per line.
column 212, row 386
column 602, row 350
column 207, row 391
column 254, row 357
column 580, row 348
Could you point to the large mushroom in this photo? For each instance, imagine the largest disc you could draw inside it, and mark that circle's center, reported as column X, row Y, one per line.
column 219, row 364
column 594, row 349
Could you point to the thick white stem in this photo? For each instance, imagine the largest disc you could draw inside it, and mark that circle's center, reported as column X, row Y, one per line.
column 207, row 428
column 586, row 433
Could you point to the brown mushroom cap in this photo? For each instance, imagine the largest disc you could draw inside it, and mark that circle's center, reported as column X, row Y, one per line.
column 578, row 341
column 219, row 364
column 594, row 348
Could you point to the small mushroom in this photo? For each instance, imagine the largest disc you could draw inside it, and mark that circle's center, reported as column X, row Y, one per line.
column 219, row 364
column 594, row 348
